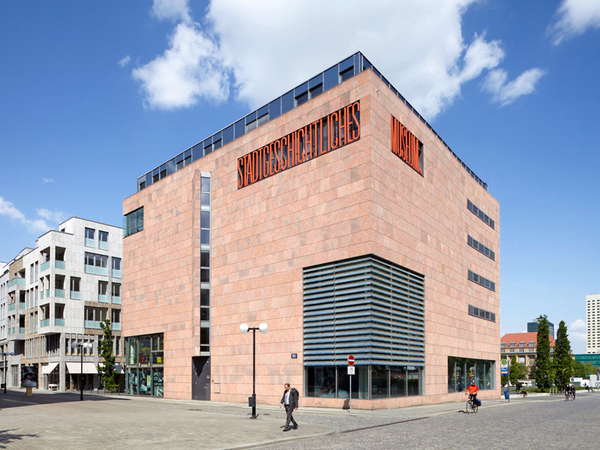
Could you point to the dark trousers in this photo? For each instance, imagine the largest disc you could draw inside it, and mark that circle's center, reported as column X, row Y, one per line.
column 289, row 410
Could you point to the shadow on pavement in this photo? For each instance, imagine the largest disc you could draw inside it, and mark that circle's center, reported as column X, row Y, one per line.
column 18, row 398
column 6, row 437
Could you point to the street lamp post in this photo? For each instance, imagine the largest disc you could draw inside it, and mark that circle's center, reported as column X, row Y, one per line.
column 263, row 328
column 81, row 346
column 5, row 354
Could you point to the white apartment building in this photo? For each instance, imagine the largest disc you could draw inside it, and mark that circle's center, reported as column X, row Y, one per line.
column 57, row 295
column 3, row 310
column 3, row 305
column 592, row 319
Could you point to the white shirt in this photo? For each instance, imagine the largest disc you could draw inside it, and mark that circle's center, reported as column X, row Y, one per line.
column 287, row 397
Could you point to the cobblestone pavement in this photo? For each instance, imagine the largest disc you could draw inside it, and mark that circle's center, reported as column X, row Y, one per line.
column 535, row 423
column 61, row 421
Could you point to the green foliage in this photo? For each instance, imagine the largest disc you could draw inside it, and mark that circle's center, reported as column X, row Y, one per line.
column 108, row 374
column 516, row 371
column 562, row 361
column 513, row 371
column 543, row 366
column 583, row 369
column 532, row 372
column 504, row 379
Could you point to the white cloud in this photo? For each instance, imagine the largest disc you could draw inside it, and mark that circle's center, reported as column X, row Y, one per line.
column 177, row 10
column 9, row 210
column 273, row 46
column 506, row 93
column 190, row 69
column 577, row 332
column 574, row 18
column 47, row 180
column 52, row 216
column 123, row 62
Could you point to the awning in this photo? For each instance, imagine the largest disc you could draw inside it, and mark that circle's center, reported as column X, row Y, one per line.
column 75, row 368
column 49, row 368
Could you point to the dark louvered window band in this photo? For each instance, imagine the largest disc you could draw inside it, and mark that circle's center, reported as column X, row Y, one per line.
column 479, row 213
column 482, row 313
column 367, row 307
column 481, row 248
column 475, row 278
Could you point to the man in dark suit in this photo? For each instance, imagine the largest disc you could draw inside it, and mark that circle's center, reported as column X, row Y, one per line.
column 290, row 401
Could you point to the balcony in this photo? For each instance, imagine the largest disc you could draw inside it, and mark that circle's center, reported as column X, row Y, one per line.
column 94, row 324
column 12, row 306
column 93, row 270
column 75, row 295
column 21, row 330
column 103, row 298
column 59, row 293
column 42, row 294
column 22, row 305
column 44, row 323
column 90, row 243
column 116, row 326
column 47, row 293
column 59, row 322
column 116, row 300
column 116, row 273
column 45, row 266
column 103, row 245
column 16, row 282
column 59, row 264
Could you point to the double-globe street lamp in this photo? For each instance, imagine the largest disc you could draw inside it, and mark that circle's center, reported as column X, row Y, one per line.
column 263, row 327
column 81, row 346
column 5, row 354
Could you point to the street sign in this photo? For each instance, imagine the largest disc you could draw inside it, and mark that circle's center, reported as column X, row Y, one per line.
column 350, row 360
column 504, row 367
column 351, row 370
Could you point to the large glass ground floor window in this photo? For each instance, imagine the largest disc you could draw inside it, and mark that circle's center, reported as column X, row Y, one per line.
column 145, row 365
column 461, row 371
column 370, row 382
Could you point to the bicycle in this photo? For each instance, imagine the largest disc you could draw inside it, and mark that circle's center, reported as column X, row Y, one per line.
column 472, row 406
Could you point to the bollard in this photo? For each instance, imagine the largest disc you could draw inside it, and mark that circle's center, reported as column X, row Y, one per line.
column 29, row 392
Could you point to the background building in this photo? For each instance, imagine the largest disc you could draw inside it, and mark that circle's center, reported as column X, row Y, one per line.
column 57, row 294
column 336, row 215
column 523, row 346
column 532, row 327
column 592, row 319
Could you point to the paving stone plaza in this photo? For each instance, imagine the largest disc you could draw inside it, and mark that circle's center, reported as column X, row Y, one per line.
column 61, row 421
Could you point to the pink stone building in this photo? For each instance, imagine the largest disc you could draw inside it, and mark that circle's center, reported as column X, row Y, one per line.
column 337, row 216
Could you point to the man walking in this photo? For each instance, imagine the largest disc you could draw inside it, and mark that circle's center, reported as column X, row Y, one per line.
column 290, row 401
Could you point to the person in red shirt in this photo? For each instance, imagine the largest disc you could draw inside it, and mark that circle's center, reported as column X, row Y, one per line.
column 472, row 391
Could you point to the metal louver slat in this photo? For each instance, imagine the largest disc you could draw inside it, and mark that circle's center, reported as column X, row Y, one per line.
column 367, row 307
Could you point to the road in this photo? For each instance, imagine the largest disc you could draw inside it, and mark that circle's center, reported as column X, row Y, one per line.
column 534, row 423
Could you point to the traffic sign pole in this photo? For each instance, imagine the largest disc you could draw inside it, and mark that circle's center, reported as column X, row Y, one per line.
column 350, row 363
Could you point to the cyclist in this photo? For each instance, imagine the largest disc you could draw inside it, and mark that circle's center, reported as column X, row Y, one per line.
column 570, row 391
column 472, row 391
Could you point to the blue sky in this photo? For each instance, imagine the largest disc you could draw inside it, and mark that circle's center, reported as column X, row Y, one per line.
column 94, row 94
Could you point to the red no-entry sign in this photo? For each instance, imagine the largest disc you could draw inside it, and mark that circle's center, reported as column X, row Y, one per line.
column 351, row 360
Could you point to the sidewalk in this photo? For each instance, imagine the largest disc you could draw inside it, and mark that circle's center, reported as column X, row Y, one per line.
column 52, row 420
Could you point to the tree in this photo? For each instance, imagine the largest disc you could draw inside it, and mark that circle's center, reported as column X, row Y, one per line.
column 513, row 371
column 108, row 374
column 582, row 370
column 543, row 366
column 562, row 361
column 532, row 372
